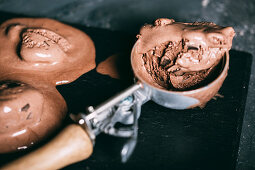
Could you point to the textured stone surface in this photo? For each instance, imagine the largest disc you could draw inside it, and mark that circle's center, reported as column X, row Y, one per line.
column 129, row 15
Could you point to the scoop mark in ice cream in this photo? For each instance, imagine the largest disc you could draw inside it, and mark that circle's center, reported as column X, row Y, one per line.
column 42, row 45
column 10, row 88
column 182, row 55
column 40, row 37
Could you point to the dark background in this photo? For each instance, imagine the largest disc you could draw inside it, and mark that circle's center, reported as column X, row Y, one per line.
column 130, row 15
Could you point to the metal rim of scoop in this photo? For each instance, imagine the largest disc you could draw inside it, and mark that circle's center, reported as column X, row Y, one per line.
column 159, row 93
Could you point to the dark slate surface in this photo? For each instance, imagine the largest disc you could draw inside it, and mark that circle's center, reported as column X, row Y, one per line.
column 205, row 138
column 129, row 15
column 190, row 139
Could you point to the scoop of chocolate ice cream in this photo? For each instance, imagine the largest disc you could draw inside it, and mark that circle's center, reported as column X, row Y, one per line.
column 21, row 106
column 182, row 56
column 45, row 48
column 27, row 115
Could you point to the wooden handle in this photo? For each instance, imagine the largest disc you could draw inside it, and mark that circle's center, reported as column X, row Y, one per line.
column 71, row 145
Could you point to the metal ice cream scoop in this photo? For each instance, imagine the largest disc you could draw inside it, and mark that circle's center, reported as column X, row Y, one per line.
column 125, row 108
column 75, row 142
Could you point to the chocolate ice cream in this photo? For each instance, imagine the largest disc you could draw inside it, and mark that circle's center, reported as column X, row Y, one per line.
column 35, row 56
column 43, row 46
column 183, row 56
column 45, row 49
column 27, row 114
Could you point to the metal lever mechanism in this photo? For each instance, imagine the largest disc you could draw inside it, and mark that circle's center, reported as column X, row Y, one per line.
column 124, row 109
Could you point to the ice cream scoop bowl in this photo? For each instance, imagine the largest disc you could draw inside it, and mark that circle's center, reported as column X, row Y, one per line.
column 177, row 99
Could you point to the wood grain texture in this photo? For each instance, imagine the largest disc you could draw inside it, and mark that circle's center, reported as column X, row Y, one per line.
column 70, row 146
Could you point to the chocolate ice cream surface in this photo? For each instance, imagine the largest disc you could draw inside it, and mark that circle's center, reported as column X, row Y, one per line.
column 45, row 49
column 183, row 56
column 36, row 55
